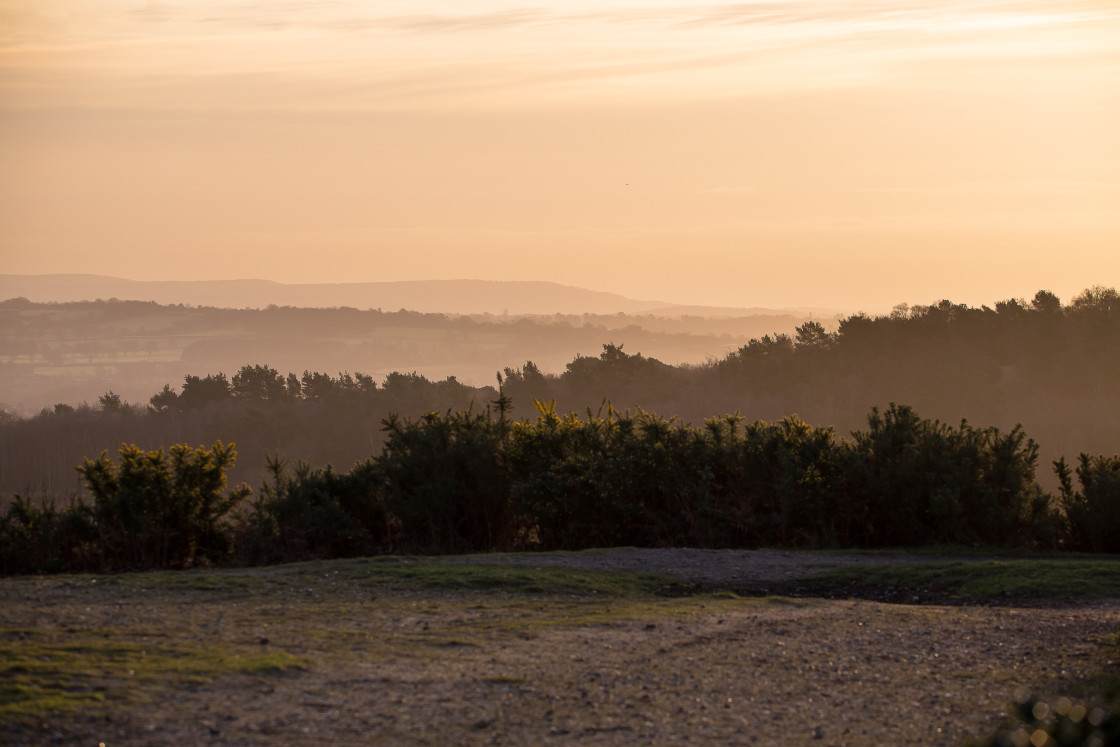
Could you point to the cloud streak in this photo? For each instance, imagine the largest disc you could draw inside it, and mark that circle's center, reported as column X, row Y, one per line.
column 346, row 54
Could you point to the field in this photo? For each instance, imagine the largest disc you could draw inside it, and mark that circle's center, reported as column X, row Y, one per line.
column 711, row 647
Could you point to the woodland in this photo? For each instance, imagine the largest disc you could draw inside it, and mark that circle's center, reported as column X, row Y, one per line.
column 903, row 436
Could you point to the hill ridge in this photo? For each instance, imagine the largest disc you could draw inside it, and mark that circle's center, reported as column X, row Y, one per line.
column 448, row 296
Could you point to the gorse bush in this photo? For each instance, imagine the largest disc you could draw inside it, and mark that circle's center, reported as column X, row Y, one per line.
column 783, row 490
column 162, row 509
column 446, row 479
column 1092, row 513
column 316, row 513
column 914, row 481
column 614, row 480
column 641, row 479
column 45, row 539
column 466, row 481
column 150, row 509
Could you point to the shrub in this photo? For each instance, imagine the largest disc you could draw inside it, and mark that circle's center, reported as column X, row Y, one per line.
column 786, row 483
column 1092, row 513
column 45, row 539
column 445, row 479
column 921, row 481
column 469, row 482
column 614, row 480
column 160, row 509
column 316, row 513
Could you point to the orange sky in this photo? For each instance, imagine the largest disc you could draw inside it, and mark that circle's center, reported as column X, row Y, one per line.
column 793, row 152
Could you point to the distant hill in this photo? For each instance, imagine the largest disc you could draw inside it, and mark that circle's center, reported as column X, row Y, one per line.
column 444, row 296
column 438, row 296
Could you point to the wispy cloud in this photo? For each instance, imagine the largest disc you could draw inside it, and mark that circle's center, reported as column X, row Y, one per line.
column 52, row 18
column 432, row 53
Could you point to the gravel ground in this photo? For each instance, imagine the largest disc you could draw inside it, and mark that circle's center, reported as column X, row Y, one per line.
column 438, row 668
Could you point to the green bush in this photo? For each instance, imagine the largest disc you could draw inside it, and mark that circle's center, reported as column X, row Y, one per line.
column 919, row 481
column 471, row 481
column 603, row 481
column 787, row 482
column 445, row 478
column 37, row 539
column 162, row 509
column 1092, row 513
column 642, row 480
column 316, row 513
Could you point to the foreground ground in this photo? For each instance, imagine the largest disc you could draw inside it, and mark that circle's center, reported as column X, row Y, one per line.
column 563, row 649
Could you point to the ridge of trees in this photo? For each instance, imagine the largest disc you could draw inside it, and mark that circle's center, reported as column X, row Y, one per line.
column 1092, row 317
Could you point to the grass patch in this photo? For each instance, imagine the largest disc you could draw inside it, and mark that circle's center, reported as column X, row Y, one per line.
column 44, row 673
column 422, row 574
column 407, row 574
column 999, row 581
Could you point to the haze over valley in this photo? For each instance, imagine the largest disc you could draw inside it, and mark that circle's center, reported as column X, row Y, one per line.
column 65, row 350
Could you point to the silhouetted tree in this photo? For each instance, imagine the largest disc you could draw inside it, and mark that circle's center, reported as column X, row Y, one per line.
column 317, row 385
column 110, row 403
column 200, row 392
column 262, row 383
column 166, row 400
column 1046, row 302
column 1096, row 300
column 293, row 386
column 812, row 336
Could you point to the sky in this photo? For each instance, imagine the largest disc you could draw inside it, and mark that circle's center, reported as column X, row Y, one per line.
column 842, row 154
